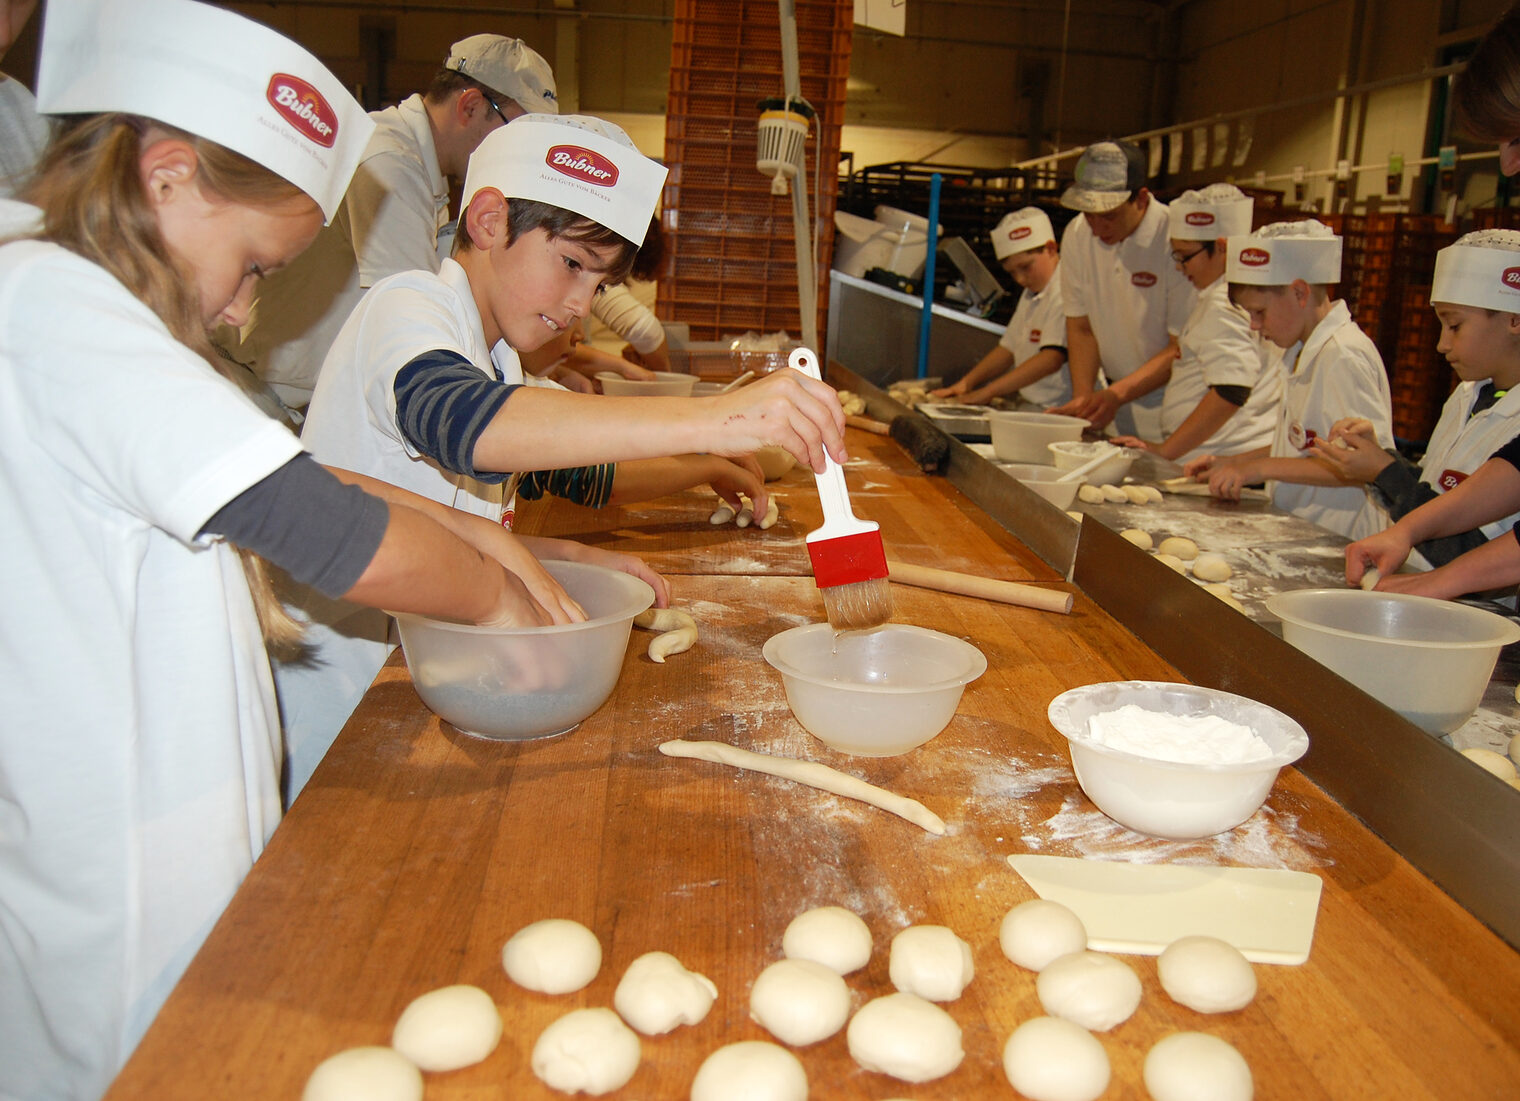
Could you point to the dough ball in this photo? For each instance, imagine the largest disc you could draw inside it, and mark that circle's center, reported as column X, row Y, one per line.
column 1171, row 561
column 657, row 993
column 750, row 1071
column 1152, row 494
column 1114, row 494
column 1220, row 589
column 906, row 1037
column 830, row 935
column 1141, row 539
column 1211, row 567
column 774, row 461
column 799, row 1002
column 1232, row 602
column 772, row 514
column 1193, row 1066
column 1206, row 974
column 722, row 514
column 746, row 515
column 553, row 956
column 456, row 1026
column 586, row 1051
column 930, row 961
column 1497, row 763
column 1091, row 494
column 1135, row 494
column 1048, row 1059
column 1182, row 547
column 1036, row 932
column 364, row 1074
column 1090, row 989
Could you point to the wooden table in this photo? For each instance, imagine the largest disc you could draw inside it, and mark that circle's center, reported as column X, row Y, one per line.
column 416, row 852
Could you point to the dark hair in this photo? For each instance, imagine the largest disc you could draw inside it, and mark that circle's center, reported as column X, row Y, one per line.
column 1487, row 93
column 526, row 215
column 651, row 255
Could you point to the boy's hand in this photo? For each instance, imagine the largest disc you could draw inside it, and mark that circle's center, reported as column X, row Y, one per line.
column 1353, row 457
column 1097, row 408
column 1227, row 479
column 1347, row 427
column 1385, row 552
column 1132, row 441
column 1194, row 468
column 516, row 606
column 785, row 408
column 950, row 393
column 571, row 551
column 506, row 548
column 740, row 477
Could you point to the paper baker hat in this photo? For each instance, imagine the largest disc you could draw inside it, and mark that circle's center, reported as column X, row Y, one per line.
column 1281, row 252
column 210, row 72
column 575, row 162
column 1486, row 275
column 1219, row 210
column 1022, row 231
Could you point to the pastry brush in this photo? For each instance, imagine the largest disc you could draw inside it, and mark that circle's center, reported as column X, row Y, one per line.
column 849, row 561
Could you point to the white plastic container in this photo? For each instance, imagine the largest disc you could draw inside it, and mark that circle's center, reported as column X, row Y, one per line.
column 860, row 244
column 908, row 235
column 513, row 684
column 1429, row 660
column 670, row 384
column 1069, row 455
column 873, row 693
column 1166, row 798
column 1026, row 437
column 1042, row 480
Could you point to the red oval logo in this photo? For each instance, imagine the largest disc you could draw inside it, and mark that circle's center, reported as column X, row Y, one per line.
column 303, row 107
column 1143, row 279
column 1511, row 278
column 1255, row 257
column 1018, row 233
column 1034, row 336
column 582, row 164
column 1199, row 218
column 1451, row 479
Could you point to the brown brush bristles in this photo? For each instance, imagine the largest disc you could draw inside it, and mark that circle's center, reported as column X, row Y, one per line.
column 858, row 606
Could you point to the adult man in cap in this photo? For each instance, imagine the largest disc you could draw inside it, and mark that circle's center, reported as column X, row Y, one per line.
column 394, row 208
column 1125, row 299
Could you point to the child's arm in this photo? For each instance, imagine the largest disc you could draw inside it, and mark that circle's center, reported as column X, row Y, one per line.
column 604, row 484
column 568, row 550
column 1099, row 406
column 1207, row 417
column 988, row 367
column 1047, row 361
column 1494, row 565
column 1205, row 464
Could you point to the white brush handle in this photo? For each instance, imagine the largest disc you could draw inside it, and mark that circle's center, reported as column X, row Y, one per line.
column 1078, row 473
column 838, row 518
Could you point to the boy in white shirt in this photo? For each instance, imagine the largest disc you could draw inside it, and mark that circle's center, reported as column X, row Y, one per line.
column 1030, row 358
column 1225, row 387
column 1281, row 276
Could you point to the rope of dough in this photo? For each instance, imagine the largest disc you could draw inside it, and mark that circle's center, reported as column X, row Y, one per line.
column 678, row 631
column 812, row 774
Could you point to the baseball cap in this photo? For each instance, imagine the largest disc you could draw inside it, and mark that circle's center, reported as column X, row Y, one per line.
column 1022, row 231
column 1482, row 270
column 508, row 66
column 1107, row 173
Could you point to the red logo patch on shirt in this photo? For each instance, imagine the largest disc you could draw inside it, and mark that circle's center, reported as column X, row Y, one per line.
column 1034, row 336
column 1143, row 279
column 582, row 164
column 303, row 107
column 1199, row 218
column 1450, row 479
column 1255, row 257
column 1301, row 437
column 1018, row 233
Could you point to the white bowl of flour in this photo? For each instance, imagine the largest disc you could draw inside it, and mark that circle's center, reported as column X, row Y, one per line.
column 1174, row 760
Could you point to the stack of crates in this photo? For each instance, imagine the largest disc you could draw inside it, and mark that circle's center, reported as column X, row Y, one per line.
column 731, row 264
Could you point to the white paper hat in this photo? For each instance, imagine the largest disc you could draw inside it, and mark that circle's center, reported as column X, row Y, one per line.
column 575, row 162
column 508, row 66
column 1482, row 269
column 1277, row 254
column 1022, row 231
column 210, row 72
column 1219, row 210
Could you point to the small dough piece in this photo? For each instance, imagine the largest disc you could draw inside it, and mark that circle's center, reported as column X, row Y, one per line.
column 657, row 993
column 1152, row 494
column 906, row 1037
column 830, row 935
column 1090, row 989
column 364, row 1074
column 1194, row 1066
column 1491, row 761
column 722, row 514
column 1232, row 602
column 586, row 1051
column 1037, row 932
column 1171, row 562
column 751, row 1070
column 1113, row 493
column 1206, row 974
column 1220, row 589
column 1182, row 547
column 1370, row 578
column 553, row 956
column 1048, row 1059
column 810, row 773
column 746, row 515
column 930, row 961
column 671, row 642
column 1091, row 494
column 1211, row 567
column 678, row 631
column 799, row 1002
column 663, row 619
column 1135, row 494
column 448, row 1028
column 1141, row 539
column 772, row 514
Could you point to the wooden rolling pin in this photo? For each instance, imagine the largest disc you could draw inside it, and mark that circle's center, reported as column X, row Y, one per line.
column 869, row 424
column 1008, row 592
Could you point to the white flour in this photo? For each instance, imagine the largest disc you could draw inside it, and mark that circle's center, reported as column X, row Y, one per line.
column 1185, row 739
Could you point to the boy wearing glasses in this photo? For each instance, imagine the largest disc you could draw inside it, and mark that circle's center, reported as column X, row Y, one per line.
column 1224, row 389
column 1030, row 358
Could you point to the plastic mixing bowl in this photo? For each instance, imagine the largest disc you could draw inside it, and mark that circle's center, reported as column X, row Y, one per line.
column 1069, row 455
column 873, row 693
column 1429, row 660
column 664, row 384
column 1167, row 798
column 1042, row 479
column 513, row 684
column 1026, row 437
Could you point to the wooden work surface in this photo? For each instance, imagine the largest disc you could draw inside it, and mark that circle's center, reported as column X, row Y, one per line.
column 417, row 851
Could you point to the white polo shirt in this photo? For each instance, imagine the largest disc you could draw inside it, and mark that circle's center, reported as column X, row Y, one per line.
column 1460, row 444
column 1218, row 348
column 1134, row 298
column 140, row 752
column 1039, row 322
column 23, row 134
column 1336, row 373
column 395, row 205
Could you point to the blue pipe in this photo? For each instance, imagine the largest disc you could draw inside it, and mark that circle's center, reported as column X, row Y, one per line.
column 932, row 240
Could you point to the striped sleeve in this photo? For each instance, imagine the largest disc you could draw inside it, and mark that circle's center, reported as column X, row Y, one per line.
column 443, row 405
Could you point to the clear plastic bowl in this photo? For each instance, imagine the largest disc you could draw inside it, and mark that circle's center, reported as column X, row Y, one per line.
column 1166, row 798
column 1042, row 479
column 1429, row 660
column 1069, row 455
column 664, row 384
column 513, row 684
column 873, row 693
column 1026, row 437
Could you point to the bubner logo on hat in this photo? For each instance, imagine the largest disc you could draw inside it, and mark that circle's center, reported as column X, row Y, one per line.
column 579, row 163
column 1200, row 218
column 1143, row 279
column 1512, row 277
column 1255, row 257
column 304, row 108
column 1018, row 233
